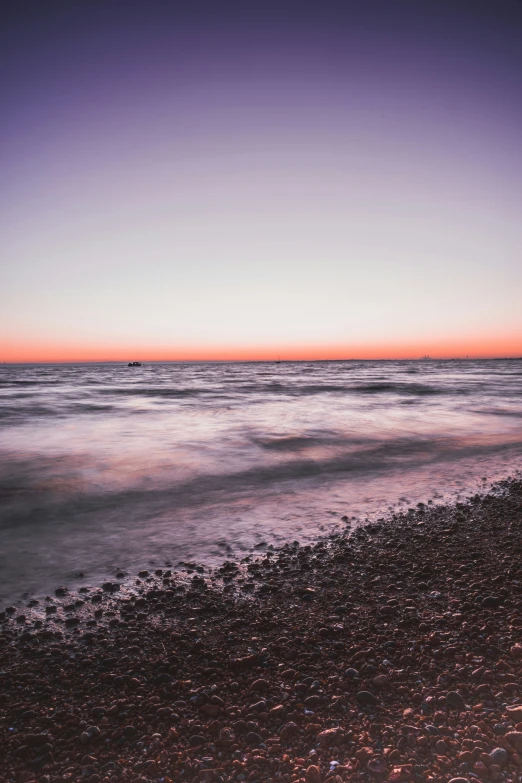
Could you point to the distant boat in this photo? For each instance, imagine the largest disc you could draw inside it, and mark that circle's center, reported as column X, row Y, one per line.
column 134, row 364
column 426, row 356
column 278, row 360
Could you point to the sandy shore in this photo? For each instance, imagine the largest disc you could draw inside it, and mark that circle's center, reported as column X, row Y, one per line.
column 390, row 654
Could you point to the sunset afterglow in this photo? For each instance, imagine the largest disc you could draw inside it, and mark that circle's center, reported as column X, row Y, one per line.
column 248, row 184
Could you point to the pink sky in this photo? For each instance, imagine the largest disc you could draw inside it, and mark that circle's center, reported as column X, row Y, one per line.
column 340, row 183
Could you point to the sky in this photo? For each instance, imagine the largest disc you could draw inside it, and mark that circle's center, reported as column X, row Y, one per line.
column 247, row 181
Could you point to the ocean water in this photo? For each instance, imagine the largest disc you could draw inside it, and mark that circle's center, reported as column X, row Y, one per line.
column 105, row 467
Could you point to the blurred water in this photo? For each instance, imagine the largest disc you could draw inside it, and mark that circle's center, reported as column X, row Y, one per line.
column 106, row 467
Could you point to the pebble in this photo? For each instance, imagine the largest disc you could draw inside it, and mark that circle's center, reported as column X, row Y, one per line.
column 515, row 739
column 455, row 701
column 313, row 774
column 367, row 699
column 515, row 713
column 499, row 756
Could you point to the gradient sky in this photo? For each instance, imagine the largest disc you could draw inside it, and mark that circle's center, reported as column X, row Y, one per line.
column 304, row 179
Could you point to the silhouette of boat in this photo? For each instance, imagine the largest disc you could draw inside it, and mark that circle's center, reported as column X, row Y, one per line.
column 134, row 364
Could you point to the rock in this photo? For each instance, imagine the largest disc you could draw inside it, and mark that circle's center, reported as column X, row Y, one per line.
column 515, row 739
column 93, row 732
column 312, row 702
column 352, row 673
column 366, row 699
column 247, row 662
column 329, row 737
column 491, row 601
column 381, row 680
column 129, row 732
column 210, row 710
column 196, row 740
column 288, row 731
column 259, row 685
column 515, row 713
column 499, row 756
column 253, row 739
column 34, row 740
column 455, row 701
column 377, row 766
column 163, row 678
column 363, row 754
column 516, row 651
column 240, row 727
column 313, row 774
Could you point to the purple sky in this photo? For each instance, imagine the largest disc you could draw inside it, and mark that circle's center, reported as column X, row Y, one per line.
column 341, row 174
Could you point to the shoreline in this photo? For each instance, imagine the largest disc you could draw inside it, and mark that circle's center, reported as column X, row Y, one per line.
column 392, row 652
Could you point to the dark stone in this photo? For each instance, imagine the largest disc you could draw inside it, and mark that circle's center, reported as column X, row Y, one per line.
column 129, row 732
column 34, row 740
column 162, row 679
column 366, row 698
column 499, row 756
column 491, row 601
column 253, row 739
column 455, row 701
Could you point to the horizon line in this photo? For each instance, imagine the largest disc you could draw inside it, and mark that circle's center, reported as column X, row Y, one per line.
column 125, row 362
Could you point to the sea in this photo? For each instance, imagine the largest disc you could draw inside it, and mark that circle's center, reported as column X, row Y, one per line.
column 107, row 468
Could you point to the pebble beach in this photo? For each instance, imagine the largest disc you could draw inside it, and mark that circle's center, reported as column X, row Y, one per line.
column 392, row 652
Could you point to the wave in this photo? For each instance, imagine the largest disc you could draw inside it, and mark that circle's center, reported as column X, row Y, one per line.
column 147, row 391
column 499, row 412
column 32, row 491
column 27, row 412
column 90, row 407
column 296, row 442
column 19, row 382
column 290, row 389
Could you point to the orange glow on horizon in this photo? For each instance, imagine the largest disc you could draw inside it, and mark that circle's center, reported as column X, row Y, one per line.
column 34, row 352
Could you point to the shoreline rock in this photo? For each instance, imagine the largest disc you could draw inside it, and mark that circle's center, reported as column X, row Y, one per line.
column 392, row 653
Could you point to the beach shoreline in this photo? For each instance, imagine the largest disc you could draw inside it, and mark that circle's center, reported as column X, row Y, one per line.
column 392, row 652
